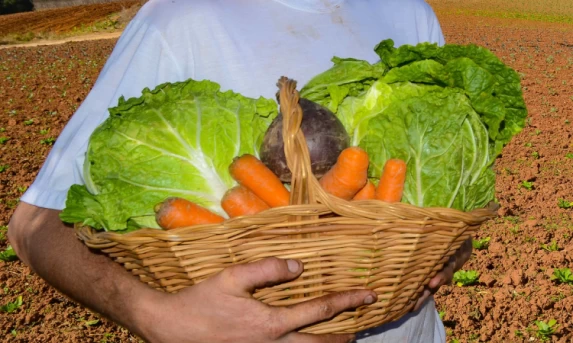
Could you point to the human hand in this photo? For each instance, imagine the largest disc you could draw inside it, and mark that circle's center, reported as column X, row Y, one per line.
column 446, row 275
column 222, row 309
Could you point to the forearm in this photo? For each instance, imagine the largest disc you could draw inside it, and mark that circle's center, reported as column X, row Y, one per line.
column 53, row 251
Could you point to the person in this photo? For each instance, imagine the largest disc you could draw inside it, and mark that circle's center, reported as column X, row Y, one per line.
column 245, row 46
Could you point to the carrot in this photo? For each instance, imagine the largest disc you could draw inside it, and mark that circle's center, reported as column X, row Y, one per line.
column 348, row 175
column 239, row 201
column 392, row 181
column 253, row 174
column 177, row 212
column 367, row 192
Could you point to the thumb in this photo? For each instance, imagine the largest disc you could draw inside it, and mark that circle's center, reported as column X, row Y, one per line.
column 244, row 279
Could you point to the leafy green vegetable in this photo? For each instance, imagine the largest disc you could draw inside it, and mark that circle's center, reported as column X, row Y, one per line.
column 348, row 76
column 176, row 140
column 563, row 275
column 480, row 244
column 465, row 277
column 8, row 255
column 447, row 111
column 12, row 306
column 546, row 330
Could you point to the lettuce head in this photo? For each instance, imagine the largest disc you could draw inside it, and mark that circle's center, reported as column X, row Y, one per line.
column 176, row 140
column 445, row 110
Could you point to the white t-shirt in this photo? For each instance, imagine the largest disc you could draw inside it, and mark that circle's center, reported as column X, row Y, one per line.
column 245, row 46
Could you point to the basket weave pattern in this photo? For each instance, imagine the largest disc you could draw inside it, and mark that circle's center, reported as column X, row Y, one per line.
column 391, row 248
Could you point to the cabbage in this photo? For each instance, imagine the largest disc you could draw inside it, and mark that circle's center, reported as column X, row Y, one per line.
column 447, row 111
column 176, row 140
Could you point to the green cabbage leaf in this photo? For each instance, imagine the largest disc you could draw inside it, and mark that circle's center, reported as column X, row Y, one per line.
column 176, row 140
column 447, row 111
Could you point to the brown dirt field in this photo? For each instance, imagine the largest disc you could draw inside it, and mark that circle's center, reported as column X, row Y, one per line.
column 45, row 42
column 61, row 19
column 42, row 86
column 515, row 288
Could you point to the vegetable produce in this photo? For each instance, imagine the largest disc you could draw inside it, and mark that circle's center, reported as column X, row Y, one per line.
column 251, row 173
column 349, row 175
column 392, row 181
column 176, row 140
column 176, row 212
column 324, row 134
column 240, row 201
column 367, row 192
column 446, row 111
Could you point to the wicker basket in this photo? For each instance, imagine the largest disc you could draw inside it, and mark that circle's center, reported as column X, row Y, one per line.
column 391, row 248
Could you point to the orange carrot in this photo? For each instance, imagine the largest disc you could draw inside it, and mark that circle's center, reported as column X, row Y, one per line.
column 253, row 174
column 177, row 212
column 239, row 201
column 348, row 175
column 367, row 192
column 392, row 181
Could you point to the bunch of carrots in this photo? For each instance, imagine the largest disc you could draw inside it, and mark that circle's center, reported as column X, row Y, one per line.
column 259, row 189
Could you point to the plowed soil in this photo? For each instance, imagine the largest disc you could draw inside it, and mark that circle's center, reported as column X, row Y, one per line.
column 532, row 236
column 60, row 20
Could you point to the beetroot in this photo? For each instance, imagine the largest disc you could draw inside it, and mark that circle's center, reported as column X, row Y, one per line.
column 325, row 136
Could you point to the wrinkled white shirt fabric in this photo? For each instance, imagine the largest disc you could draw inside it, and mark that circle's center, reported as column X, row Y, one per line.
column 245, row 46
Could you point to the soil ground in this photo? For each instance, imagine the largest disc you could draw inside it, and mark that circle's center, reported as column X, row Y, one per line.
column 531, row 238
column 64, row 22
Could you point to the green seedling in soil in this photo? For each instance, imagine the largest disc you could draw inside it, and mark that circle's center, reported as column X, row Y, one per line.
column 3, row 140
column 529, row 145
column 535, row 154
column 3, row 230
column 22, row 189
column 12, row 203
column 12, row 306
column 514, row 229
column 91, row 322
column 107, row 337
column 557, row 298
column 562, row 275
column 44, row 131
column 550, row 247
column 8, row 255
column 562, row 203
column 48, row 141
column 2, row 129
column 466, row 277
column 569, row 155
column 481, row 244
column 545, row 330
column 28, row 122
column 526, row 184
column 3, row 167
column 442, row 314
column 473, row 337
column 512, row 219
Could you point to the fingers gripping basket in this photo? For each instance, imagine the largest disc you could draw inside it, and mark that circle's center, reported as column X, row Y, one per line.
column 393, row 249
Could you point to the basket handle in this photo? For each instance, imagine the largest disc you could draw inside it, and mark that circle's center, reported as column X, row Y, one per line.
column 305, row 188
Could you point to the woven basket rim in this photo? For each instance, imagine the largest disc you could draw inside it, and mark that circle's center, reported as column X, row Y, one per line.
column 395, row 211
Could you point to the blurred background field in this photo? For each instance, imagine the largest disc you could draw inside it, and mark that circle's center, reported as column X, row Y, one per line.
column 522, row 285
column 556, row 11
